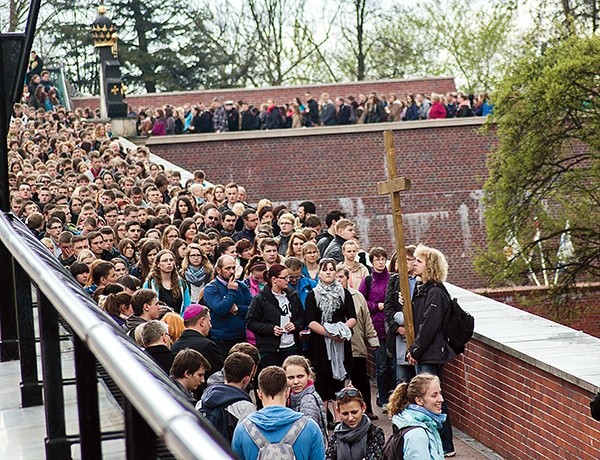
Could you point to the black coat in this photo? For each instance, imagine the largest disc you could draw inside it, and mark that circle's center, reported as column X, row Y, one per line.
column 193, row 339
column 430, row 305
column 162, row 356
column 343, row 116
column 264, row 314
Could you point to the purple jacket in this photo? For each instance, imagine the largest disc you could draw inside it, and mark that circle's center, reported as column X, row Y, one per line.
column 376, row 295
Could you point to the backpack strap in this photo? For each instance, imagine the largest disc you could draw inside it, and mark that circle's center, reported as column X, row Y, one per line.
column 255, row 434
column 294, row 431
column 323, row 422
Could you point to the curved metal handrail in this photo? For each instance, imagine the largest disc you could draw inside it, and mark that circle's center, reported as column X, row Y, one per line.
column 151, row 393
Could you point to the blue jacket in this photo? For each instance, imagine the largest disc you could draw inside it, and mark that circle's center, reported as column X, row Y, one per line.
column 303, row 287
column 274, row 423
column 419, row 444
column 220, row 299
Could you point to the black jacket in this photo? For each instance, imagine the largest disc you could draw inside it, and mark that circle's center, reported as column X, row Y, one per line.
column 209, row 349
column 162, row 356
column 264, row 314
column 343, row 116
column 430, row 305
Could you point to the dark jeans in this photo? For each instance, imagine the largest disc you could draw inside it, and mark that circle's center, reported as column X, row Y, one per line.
column 446, row 431
column 385, row 372
column 277, row 358
column 360, row 380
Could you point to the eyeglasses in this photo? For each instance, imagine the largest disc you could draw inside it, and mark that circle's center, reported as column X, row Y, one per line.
column 287, row 278
column 169, row 336
column 351, row 392
column 56, row 227
column 212, row 218
column 285, row 223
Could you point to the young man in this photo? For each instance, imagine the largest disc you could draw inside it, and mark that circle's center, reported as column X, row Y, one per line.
column 268, row 251
column 145, row 308
column 251, row 221
column 277, row 424
column 344, row 231
column 187, row 372
column 227, row 404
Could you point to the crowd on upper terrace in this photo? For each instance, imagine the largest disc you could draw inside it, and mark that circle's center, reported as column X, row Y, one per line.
column 230, row 116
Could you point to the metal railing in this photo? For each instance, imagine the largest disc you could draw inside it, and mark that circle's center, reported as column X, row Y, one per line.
column 154, row 408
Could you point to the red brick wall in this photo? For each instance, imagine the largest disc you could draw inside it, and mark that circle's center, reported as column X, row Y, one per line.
column 282, row 94
column 519, row 410
column 581, row 311
column 340, row 168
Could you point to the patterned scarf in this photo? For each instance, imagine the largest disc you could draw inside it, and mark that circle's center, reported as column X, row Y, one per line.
column 329, row 298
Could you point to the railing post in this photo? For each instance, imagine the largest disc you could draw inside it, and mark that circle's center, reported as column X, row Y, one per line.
column 87, row 401
column 31, row 389
column 140, row 439
column 9, row 346
column 57, row 445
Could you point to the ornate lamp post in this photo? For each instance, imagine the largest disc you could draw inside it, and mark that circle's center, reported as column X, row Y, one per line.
column 112, row 89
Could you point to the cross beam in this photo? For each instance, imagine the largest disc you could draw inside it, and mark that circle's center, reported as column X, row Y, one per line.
column 393, row 186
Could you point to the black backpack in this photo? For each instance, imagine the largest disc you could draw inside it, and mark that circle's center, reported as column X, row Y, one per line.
column 223, row 420
column 393, row 448
column 459, row 325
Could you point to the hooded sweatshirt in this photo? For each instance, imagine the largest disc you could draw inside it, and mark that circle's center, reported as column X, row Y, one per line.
column 235, row 401
column 274, row 422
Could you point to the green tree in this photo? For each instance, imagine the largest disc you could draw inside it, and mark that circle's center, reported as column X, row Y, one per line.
column 545, row 172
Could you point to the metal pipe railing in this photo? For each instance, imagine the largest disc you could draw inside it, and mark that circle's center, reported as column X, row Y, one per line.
column 150, row 393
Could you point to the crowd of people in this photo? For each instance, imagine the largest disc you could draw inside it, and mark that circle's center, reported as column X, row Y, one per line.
column 263, row 316
column 228, row 115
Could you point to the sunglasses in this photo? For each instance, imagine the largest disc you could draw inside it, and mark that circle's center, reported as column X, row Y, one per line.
column 350, row 392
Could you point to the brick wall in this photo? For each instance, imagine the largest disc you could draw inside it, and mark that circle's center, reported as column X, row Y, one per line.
column 282, row 94
column 339, row 167
column 519, row 410
column 581, row 311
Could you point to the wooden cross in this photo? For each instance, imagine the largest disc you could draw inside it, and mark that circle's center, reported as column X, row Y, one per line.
column 393, row 186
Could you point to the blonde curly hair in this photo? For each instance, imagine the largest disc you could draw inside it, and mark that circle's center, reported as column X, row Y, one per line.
column 436, row 269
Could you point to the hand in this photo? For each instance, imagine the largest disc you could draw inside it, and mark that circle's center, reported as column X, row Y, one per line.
column 232, row 283
column 289, row 327
column 400, row 298
column 278, row 331
column 410, row 359
column 234, row 309
column 380, row 305
column 401, row 331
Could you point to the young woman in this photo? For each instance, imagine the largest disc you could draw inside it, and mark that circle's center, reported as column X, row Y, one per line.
column 118, row 306
column 358, row 271
column 169, row 234
column 178, row 248
column 197, row 271
column 120, row 267
column 355, row 437
column 303, row 396
column 80, row 272
column 183, row 208
column 188, row 230
column 310, row 257
column 166, row 282
column 295, row 245
column 330, row 316
column 127, row 250
column 176, row 325
column 276, row 317
column 245, row 251
column 148, row 253
column 419, row 404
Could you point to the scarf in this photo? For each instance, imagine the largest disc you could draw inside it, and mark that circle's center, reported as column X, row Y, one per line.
column 329, row 298
column 352, row 442
column 195, row 276
column 439, row 419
